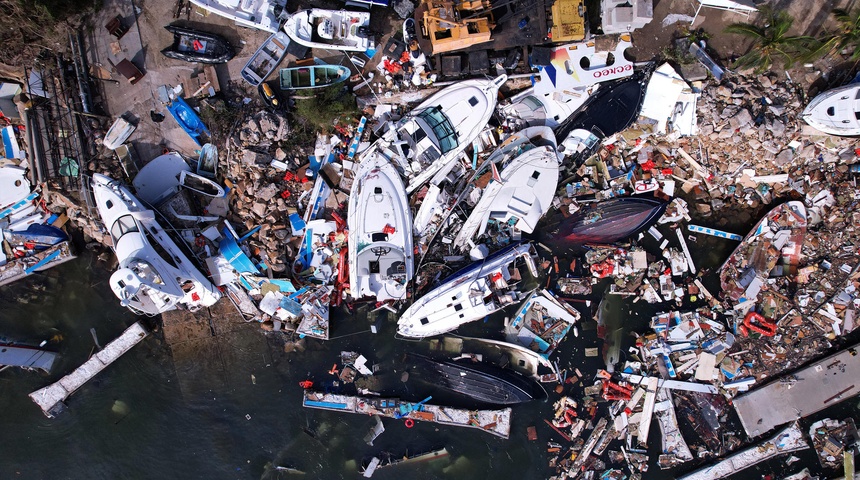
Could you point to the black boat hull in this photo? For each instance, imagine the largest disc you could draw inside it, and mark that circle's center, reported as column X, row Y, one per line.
column 609, row 221
column 215, row 48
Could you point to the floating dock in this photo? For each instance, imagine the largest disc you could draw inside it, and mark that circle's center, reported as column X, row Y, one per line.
column 786, row 441
column 814, row 388
column 496, row 422
column 50, row 399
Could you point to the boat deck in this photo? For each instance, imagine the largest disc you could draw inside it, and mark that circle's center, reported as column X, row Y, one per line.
column 495, row 422
column 48, row 398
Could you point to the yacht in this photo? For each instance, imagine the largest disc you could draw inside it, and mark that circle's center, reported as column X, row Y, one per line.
column 523, row 191
column 482, row 288
column 261, row 14
column 836, row 111
column 437, row 131
column 331, row 29
column 380, row 232
column 154, row 274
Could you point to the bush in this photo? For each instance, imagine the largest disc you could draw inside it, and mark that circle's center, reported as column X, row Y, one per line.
column 323, row 109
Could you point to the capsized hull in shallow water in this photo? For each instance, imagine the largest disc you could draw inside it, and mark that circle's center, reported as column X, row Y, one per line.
column 609, row 221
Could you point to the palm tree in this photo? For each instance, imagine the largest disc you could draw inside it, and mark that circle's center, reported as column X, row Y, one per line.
column 846, row 37
column 771, row 41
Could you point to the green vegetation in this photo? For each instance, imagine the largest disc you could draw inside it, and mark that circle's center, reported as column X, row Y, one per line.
column 321, row 111
column 33, row 23
column 844, row 40
column 771, row 42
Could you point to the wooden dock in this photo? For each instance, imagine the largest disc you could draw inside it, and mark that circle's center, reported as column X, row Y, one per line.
column 50, row 399
column 812, row 389
column 496, row 422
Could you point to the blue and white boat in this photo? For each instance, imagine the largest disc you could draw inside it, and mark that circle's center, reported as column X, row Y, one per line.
column 482, row 288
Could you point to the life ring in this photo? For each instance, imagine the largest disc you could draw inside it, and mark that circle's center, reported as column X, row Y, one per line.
column 409, row 423
column 200, row 241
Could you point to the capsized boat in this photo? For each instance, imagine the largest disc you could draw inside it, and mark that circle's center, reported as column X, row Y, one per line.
column 771, row 249
column 188, row 119
column 266, row 59
column 437, row 131
column 523, row 191
column 836, row 111
column 609, row 221
column 331, row 29
column 380, row 232
column 312, row 76
column 503, row 354
column 154, row 275
column 541, row 322
column 196, row 46
column 261, row 14
column 479, row 381
column 118, row 133
column 470, row 294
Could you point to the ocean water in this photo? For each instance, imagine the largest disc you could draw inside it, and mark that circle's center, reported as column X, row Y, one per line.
column 230, row 408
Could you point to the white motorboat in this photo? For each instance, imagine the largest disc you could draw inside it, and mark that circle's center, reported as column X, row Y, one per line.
column 331, row 29
column 380, row 232
column 261, row 14
column 836, row 111
column 154, row 275
column 437, row 131
column 551, row 109
column 523, row 192
column 474, row 292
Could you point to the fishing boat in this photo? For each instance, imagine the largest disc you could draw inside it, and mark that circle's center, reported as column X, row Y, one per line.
column 266, row 59
column 836, row 111
column 188, row 119
column 207, row 162
column 541, row 323
column 260, row 14
column 470, row 294
column 609, row 221
column 482, row 382
column 331, row 29
column 197, row 46
column 118, row 133
column 523, row 191
column 155, row 275
column 313, row 76
column 437, row 131
column 772, row 249
column 380, row 232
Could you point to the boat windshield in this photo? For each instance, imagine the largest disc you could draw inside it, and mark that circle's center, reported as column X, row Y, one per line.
column 122, row 225
column 442, row 128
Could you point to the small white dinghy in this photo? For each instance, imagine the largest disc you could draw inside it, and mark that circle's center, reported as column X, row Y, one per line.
column 836, row 111
column 523, row 192
column 380, row 232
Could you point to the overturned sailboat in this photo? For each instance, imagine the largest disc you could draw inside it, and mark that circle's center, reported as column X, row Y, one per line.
column 471, row 294
column 380, row 233
column 609, row 221
column 154, row 275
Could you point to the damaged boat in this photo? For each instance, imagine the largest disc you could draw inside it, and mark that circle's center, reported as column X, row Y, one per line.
column 524, row 190
column 471, row 294
column 261, row 14
column 609, row 221
column 541, row 323
column 836, row 111
column 479, row 381
column 331, row 29
column 154, row 275
column 188, row 119
column 196, row 46
column 266, row 59
column 380, row 232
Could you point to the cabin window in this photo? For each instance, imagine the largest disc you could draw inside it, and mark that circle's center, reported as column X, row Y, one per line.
column 473, row 101
column 379, row 237
column 535, row 174
column 458, row 307
column 374, row 266
column 831, row 111
column 522, row 363
column 122, row 225
column 442, row 128
column 424, row 321
column 109, row 204
column 377, row 190
column 857, row 115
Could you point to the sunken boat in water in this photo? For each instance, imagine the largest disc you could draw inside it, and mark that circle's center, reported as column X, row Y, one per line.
column 479, row 381
column 609, row 221
column 196, row 46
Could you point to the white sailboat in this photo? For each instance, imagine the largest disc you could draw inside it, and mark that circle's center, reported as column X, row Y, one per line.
column 523, row 192
column 154, row 274
column 380, row 232
column 330, row 29
column 437, row 131
column 836, row 111
column 261, row 14
column 471, row 294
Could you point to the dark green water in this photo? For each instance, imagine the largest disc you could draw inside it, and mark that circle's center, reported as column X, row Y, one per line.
column 233, row 409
